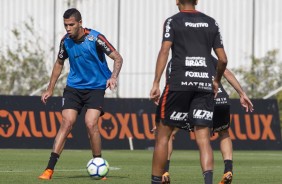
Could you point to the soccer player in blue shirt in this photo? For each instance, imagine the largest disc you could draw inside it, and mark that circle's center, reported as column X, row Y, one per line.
column 88, row 78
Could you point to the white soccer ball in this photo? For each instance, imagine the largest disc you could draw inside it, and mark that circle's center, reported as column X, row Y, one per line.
column 97, row 167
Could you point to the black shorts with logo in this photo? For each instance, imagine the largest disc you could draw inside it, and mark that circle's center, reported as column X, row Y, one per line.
column 221, row 117
column 78, row 98
column 185, row 109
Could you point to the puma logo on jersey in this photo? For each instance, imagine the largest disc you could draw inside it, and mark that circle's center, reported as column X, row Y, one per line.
column 200, row 24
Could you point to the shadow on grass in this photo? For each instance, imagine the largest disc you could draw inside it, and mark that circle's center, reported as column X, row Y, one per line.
column 85, row 176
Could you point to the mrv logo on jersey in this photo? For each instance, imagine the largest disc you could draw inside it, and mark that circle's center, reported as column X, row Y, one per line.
column 195, row 61
column 179, row 116
column 202, row 114
column 197, row 74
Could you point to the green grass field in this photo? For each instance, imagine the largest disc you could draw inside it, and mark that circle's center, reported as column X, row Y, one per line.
column 134, row 167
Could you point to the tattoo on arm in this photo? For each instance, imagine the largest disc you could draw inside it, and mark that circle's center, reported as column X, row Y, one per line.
column 117, row 63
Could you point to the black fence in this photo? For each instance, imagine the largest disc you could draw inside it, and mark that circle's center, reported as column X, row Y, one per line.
column 27, row 123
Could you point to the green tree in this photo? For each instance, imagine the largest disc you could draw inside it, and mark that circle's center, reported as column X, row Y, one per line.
column 23, row 67
column 263, row 76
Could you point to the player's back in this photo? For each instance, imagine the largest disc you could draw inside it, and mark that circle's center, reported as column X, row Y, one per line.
column 194, row 33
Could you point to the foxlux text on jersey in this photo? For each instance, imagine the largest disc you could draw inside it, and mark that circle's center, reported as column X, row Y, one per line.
column 197, row 74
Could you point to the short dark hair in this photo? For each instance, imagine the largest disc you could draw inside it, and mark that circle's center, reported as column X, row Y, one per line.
column 188, row 1
column 72, row 12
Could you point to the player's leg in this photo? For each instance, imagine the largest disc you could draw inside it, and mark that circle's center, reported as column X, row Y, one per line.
column 226, row 147
column 91, row 121
column 170, row 149
column 226, row 151
column 171, row 112
column 68, row 119
column 221, row 119
column 71, row 107
column 202, row 135
column 94, row 102
column 201, row 110
column 162, row 135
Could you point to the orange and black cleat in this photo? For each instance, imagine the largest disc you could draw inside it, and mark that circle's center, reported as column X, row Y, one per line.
column 166, row 178
column 46, row 175
column 104, row 178
column 227, row 178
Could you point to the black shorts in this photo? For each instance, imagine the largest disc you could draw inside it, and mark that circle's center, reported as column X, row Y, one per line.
column 78, row 98
column 185, row 109
column 221, row 118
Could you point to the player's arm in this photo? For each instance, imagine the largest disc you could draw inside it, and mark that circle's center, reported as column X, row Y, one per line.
column 117, row 63
column 57, row 69
column 160, row 66
column 112, row 82
column 106, row 47
column 56, row 72
column 168, row 37
column 244, row 99
column 221, row 66
column 222, row 58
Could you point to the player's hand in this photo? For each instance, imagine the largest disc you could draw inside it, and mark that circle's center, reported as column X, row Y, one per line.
column 215, row 87
column 246, row 103
column 155, row 94
column 154, row 129
column 45, row 95
column 112, row 83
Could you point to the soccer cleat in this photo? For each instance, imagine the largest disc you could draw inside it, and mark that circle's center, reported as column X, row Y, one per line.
column 46, row 175
column 166, row 178
column 227, row 178
column 104, row 178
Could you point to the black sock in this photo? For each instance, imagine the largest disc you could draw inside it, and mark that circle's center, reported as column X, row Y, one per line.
column 208, row 176
column 53, row 160
column 166, row 169
column 156, row 179
column 97, row 156
column 228, row 166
